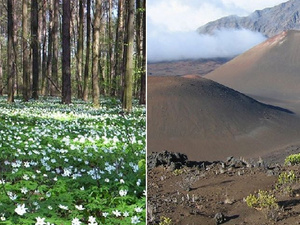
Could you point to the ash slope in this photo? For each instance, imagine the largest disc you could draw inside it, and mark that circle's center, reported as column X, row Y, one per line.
column 268, row 71
column 269, row 21
column 208, row 121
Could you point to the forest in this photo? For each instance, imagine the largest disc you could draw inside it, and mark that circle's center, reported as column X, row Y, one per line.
column 73, row 49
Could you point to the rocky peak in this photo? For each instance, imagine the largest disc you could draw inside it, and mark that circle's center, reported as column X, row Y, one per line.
column 269, row 21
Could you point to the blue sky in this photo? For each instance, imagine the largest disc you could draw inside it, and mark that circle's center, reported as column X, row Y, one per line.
column 171, row 26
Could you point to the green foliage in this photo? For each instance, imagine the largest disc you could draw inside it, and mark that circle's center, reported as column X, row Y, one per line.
column 292, row 159
column 266, row 202
column 165, row 221
column 287, row 178
column 66, row 162
column 263, row 200
column 177, row 172
column 252, row 201
column 286, row 181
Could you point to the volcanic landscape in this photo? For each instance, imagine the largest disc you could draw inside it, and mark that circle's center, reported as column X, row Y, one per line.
column 247, row 108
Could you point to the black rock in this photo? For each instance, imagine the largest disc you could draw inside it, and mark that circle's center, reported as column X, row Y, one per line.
column 235, row 163
column 220, row 218
column 165, row 158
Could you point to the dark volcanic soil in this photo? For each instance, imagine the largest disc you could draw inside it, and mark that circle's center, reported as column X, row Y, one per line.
column 208, row 121
column 193, row 195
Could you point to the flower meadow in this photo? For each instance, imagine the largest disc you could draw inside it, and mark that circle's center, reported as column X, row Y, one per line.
column 72, row 164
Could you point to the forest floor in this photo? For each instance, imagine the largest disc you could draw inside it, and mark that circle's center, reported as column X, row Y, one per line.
column 195, row 192
column 63, row 164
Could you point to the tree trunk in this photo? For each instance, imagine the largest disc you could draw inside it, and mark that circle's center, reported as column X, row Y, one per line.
column 80, row 51
column 26, row 60
column 15, row 48
column 35, row 48
column 127, row 100
column 112, row 83
column 119, row 46
column 48, row 83
column 66, row 61
column 103, row 59
column 1, row 69
column 87, row 55
column 10, row 52
column 44, row 52
column 124, row 59
column 96, row 48
column 142, row 99
column 55, row 46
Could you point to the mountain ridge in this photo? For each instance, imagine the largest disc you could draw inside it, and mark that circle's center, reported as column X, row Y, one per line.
column 269, row 21
column 269, row 70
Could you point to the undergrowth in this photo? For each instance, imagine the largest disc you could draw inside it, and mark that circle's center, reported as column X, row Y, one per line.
column 71, row 164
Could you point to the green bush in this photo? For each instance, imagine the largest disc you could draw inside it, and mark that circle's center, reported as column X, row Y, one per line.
column 266, row 202
column 165, row 221
column 292, row 159
column 286, row 181
column 263, row 200
column 177, row 172
column 287, row 178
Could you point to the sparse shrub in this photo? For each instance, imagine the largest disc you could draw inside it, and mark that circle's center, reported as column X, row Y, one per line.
column 287, row 178
column 263, row 199
column 286, row 181
column 252, row 201
column 292, row 159
column 177, row 172
column 272, row 213
column 266, row 202
column 165, row 220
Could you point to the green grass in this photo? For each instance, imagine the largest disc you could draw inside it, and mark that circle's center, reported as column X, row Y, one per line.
column 71, row 164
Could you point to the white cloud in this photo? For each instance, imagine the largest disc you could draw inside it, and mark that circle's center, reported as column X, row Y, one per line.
column 177, row 15
column 165, row 46
column 185, row 15
column 171, row 26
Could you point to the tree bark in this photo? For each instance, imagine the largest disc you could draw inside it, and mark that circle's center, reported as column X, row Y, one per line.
column 44, row 46
column 96, row 48
column 142, row 99
column 10, row 52
column 15, row 48
column 112, row 79
column 124, row 59
column 80, row 51
column 35, row 48
column 87, row 54
column 55, row 47
column 127, row 100
column 26, row 52
column 119, row 47
column 66, row 61
column 1, row 69
column 50, row 51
